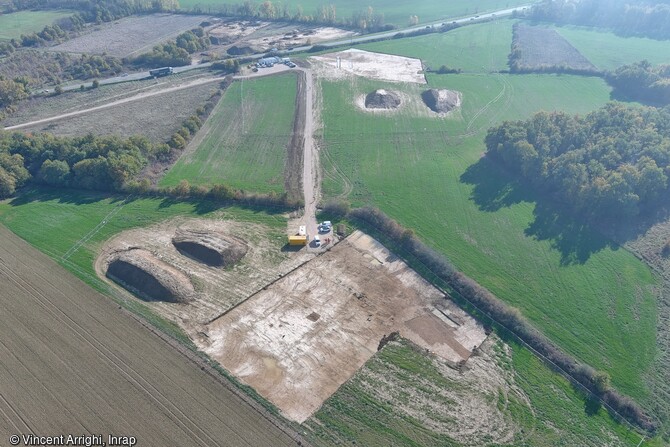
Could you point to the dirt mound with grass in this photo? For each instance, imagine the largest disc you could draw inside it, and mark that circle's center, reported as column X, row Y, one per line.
column 382, row 99
column 209, row 248
column 150, row 278
column 441, row 101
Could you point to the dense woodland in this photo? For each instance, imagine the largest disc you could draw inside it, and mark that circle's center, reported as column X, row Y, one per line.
column 642, row 82
column 175, row 53
column 613, row 162
column 649, row 18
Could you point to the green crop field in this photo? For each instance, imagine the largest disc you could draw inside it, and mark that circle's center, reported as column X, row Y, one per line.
column 244, row 141
column 25, row 22
column 542, row 406
column 608, row 51
column 592, row 297
column 396, row 12
column 481, row 47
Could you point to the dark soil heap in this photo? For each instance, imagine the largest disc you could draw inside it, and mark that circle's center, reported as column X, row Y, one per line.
column 243, row 50
column 441, row 101
column 382, row 99
column 151, row 279
column 211, row 249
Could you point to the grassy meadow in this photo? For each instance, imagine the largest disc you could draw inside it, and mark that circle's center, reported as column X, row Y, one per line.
column 542, row 407
column 26, row 22
column 608, row 51
column 243, row 142
column 589, row 295
column 396, row 12
column 481, row 47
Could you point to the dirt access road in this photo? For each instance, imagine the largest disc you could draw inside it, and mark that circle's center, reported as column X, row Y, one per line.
column 73, row 362
column 137, row 97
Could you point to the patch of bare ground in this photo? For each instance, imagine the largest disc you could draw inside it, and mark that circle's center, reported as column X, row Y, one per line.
column 240, row 37
column 157, row 110
column 130, row 36
column 139, row 271
column 217, row 289
column 216, row 250
column 383, row 67
column 73, row 362
column 441, row 101
column 297, row 340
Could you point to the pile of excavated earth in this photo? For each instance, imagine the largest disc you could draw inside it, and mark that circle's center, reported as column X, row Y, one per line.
column 382, row 99
column 208, row 248
column 441, row 101
column 141, row 272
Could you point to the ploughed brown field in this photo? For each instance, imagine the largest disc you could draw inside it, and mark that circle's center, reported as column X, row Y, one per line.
column 73, row 362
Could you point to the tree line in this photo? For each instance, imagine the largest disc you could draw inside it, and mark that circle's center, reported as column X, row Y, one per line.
column 613, row 162
column 650, row 18
column 175, row 53
column 642, row 82
column 365, row 19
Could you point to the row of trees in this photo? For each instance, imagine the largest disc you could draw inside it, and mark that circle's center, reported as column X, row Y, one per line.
column 90, row 162
column 649, row 18
column 365, row 19
column 642, row 82
column 614, row 162
column 177, row 52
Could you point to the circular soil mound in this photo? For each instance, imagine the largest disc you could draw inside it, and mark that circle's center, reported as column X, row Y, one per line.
column 141, row 273
column 382, row 99
column 208, row 248
column 441, row 101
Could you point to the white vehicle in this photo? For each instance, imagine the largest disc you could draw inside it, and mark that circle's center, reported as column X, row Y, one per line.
column 317, row 241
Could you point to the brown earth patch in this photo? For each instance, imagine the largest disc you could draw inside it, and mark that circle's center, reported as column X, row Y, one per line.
column 211, row 249
column 441, row 101
column 141, row 273
column 382, row 99
column 297, row 340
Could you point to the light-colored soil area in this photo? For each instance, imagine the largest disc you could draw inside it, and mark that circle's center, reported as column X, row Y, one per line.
column 156, row 110
column 383, row 67
column 217, row 289
column 73, row 362
column 262, row 36
column 130, row 36
column 299, row 339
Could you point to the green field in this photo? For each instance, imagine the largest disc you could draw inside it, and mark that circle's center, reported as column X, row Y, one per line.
column 396, row 12
column 593, row 298
column 25, row 22
column 481, row 47
column 74, row 224
column 244, row 141
column 545, row 410
column 608, row 51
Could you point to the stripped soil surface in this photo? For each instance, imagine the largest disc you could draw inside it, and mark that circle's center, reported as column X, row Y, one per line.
column 216, row 289
column 383, row 67
column 73, row 362
column 297, row 340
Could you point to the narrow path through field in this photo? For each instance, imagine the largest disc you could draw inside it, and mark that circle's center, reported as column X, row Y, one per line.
column 116, row 103
column 310, row 177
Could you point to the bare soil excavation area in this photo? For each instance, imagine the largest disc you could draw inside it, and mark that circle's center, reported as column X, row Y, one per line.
column 300, row 338
column 73, row 362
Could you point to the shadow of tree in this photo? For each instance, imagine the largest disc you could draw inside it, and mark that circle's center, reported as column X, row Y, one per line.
column 496, row 188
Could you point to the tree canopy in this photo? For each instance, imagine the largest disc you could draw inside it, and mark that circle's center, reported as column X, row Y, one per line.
column 642, row 82
column 614, row 162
